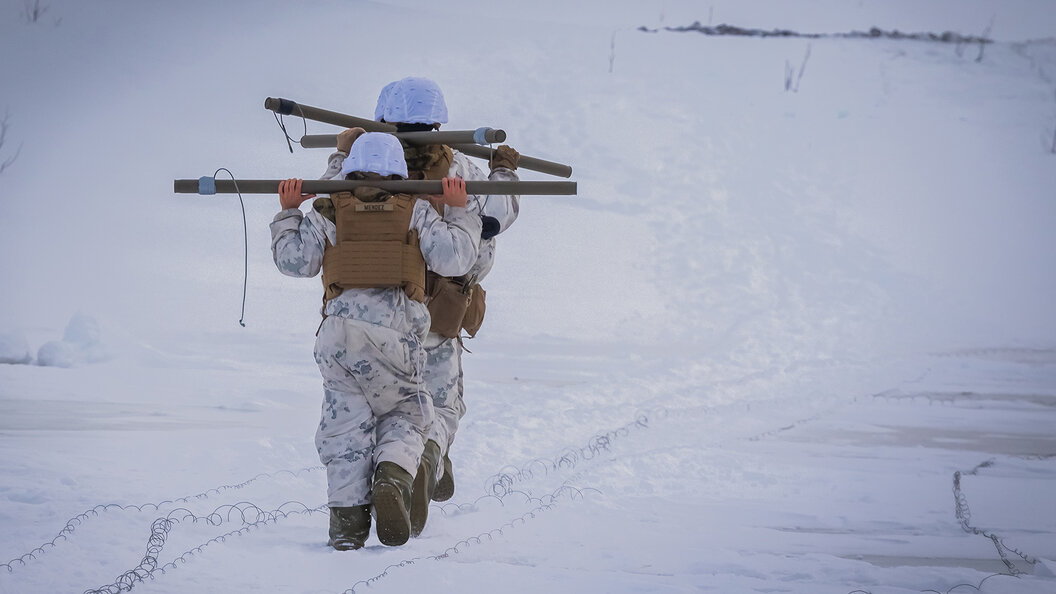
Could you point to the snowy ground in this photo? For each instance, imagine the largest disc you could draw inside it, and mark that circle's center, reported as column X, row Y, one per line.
column 780, row 341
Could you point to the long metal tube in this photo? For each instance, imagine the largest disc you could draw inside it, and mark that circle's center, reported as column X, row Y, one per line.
column 208, row 186
column 483, row 136
column 287, row 107
column 525, row 162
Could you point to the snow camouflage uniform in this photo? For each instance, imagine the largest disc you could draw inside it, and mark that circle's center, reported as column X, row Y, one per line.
column 417, row 104
column 443, row 365
column 369, row 348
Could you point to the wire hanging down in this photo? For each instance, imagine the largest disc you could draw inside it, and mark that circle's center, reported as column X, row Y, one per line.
column 282, row 126
column 245, row 245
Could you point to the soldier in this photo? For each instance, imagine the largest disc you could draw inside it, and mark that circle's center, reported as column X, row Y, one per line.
column 456, row 302
column 377, row 412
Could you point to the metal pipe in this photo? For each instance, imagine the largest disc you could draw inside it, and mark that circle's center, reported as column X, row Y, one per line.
column 525, row 162
column 481, row 136
column 287, row 107
column 208, row 186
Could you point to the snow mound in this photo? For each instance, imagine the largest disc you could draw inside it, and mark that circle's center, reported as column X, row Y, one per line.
column 57, row 353
column 81, row 343
column 14, row 348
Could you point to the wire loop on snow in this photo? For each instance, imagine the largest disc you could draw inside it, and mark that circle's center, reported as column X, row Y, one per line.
column 568, row 458
column 73, row 523
column 964, row 516
column 250, row 515
column 247, row 516
column 545, row 503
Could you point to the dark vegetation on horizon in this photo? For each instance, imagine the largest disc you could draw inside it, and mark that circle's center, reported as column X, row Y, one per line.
column 874, row 33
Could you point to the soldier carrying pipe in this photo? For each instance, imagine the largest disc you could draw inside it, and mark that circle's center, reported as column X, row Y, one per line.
column 456, row 303
column 412, row 110
column 373, row 248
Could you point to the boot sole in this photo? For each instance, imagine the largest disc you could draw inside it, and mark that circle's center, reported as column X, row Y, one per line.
column 342, row 544
column 419, row 503
column 394, row 525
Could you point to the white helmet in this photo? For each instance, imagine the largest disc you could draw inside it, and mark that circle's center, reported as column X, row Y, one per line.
column 412, row 100
column 376, row 152
column 379, row 110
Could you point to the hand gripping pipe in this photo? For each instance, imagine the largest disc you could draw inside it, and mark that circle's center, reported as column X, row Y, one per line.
column 208, row 185
column 287, row 107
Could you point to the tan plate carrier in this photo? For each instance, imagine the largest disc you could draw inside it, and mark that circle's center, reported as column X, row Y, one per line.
column 375, row 247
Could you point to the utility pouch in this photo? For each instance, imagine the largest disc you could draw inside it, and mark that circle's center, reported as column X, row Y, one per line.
column 447, row 306
column 475, row 312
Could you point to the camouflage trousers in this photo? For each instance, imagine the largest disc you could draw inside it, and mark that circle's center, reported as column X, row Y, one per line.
column 375, row 407
column 443, row 378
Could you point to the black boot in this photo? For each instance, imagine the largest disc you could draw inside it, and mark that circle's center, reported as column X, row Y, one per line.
column 392, row 500
column 445, row 487
column 424, row 484
column 349, row 527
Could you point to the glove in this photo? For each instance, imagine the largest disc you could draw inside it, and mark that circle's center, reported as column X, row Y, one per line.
column 347, row 137
column 505, row 156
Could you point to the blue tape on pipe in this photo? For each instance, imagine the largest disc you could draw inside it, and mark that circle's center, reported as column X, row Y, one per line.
column 479, row 136
column 206, row 185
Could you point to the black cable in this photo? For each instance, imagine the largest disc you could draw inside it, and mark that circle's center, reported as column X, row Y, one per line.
column 282, row 126
column 245, row 247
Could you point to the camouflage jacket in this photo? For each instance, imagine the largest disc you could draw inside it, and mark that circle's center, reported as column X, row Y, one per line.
column 502, row 208
column 448, row 243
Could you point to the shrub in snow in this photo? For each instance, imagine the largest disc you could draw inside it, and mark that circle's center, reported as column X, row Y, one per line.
column 57, row 353
column 14, row 349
